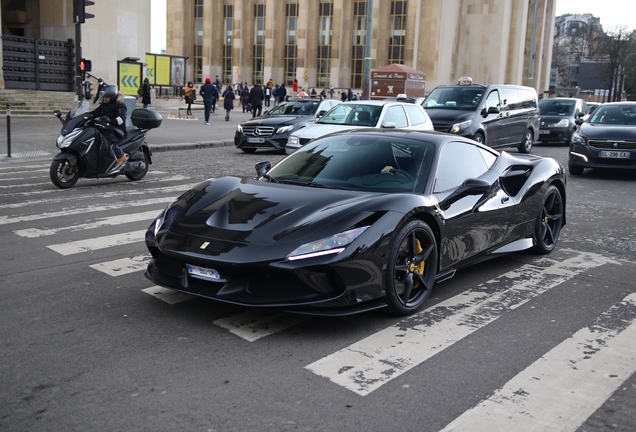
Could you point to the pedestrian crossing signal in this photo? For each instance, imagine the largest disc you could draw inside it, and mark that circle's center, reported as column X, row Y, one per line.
column 79, row 11
column 85, row 65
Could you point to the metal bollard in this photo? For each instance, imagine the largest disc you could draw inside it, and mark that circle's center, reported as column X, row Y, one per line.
column 8, row 130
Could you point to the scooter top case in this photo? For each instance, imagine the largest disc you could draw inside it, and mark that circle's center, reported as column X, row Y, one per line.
column 144, row 118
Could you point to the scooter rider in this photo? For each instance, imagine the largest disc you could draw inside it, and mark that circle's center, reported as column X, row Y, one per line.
column 113, row 108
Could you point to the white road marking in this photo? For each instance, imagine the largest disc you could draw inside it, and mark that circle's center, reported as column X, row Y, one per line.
column 98, row 223
column 96, row 243
column 4, row 220
column 67, row 199
column 123, row 266
column 568, row 384
column 255, row 323
column 21, row 168
column 372, row 362
column 167, row 295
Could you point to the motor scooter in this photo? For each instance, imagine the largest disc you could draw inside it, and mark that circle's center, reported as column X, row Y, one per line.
column 85, row 152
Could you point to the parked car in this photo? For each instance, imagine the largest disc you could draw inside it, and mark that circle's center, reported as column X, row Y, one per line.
column 362, row 114
column 272, row 129
column 591, row 107
column 355, row 221
column 496, row 115
column 607, row 139
column 558, row 116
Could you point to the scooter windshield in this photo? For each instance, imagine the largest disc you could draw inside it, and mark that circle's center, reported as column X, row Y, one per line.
column 79, row 108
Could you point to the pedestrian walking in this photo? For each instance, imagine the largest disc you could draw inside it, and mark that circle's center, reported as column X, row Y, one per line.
column 228, row 101
column 256, row 99
column 268, row 95
column 209, row 93
column 295, row 86
column 190, row 96
column 282, row 93
column 145, row 93
column 245, row 100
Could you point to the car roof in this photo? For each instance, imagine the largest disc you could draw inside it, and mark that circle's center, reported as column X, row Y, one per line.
column 373, row 102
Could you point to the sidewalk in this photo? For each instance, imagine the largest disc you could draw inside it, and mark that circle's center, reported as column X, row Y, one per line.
column 34, row 136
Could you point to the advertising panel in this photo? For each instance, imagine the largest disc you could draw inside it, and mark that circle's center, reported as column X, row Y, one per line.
column 162, row 70
column 150, row 68
column 129, row 77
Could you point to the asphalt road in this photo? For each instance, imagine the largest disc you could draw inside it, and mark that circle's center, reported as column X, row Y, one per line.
column 87, row 343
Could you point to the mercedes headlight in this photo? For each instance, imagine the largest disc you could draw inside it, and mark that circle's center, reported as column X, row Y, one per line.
column 239, row 128
column 457, row 127
column 285, row 129
column 326, row 246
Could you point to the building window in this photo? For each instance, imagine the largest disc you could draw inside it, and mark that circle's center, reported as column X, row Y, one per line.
column 291, row 48
column 228, row 39
column 359, row 43
column 197, row 58
column 259, row 41
column 325, row 24
column 397, row 31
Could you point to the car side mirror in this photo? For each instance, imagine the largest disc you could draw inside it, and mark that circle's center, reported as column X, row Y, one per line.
column 321, row 113
column 262, row 168
column 493, row 110
column 579, row 121
column 389, row 125
column 470, row 186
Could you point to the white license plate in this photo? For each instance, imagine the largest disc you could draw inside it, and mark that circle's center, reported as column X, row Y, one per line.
column 614, row 154
column 203, row 273
column 544, row 132
column 256, row 140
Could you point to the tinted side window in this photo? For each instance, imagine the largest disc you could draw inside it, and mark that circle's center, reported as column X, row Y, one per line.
column 509, row 99
column 396, row 115
column 457, row 162
column 493, row 100
column 528, row 99
column 415, row 114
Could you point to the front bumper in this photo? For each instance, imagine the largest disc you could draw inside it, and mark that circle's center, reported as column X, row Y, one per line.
column 555, row 134
column 277, row 141
column 587, row 156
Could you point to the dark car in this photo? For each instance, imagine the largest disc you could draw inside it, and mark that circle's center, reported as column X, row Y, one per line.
column 271, row 130
column 355, row 221
column 498, row 115
column 591, row 107
column 558, row 116
column 607, row 139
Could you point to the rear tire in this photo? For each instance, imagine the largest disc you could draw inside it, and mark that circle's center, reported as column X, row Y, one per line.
column 575, row 169
column 141, row 172
column 60, row 175
column 549, row 221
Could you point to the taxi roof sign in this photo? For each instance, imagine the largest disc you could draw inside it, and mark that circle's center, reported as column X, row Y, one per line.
column 465, row 80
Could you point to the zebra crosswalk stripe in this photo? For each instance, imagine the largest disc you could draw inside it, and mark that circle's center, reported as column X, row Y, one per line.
column 97, row 243
column 123, row 266
column 568, row 384
column 372, row 362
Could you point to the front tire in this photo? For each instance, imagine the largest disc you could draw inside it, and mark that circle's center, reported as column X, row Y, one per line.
column 248, row 150
column 60, row 175
column 411, row 268
column 526, row 144
column 549, row 221
column 575, row 169
column 479, row 137
column 141, row 172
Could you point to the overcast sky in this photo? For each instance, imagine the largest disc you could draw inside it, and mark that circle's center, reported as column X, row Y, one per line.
column 157, row 26
column 612, row 13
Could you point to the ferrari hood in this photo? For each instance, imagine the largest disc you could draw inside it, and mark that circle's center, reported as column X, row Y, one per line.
column 244, row 210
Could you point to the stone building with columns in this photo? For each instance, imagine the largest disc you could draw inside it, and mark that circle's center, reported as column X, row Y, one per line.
column 322, row 42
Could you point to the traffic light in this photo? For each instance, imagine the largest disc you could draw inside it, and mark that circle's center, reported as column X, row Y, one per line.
column 84, row 66
column 79, row 10
column 87, row 90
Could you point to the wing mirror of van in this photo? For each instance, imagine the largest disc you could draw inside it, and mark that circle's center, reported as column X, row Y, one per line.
column 491, row 110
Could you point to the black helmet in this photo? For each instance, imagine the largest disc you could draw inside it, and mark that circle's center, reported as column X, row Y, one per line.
column 111, row 92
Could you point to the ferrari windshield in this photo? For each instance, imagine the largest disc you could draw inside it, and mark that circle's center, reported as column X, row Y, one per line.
column 614, row 114
column 294, row 108
column 357, row 161
column 455, row 97
column 352, row 115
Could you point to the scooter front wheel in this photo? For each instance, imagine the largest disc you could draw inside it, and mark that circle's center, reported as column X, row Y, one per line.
column 142, row 169
column 60, row 175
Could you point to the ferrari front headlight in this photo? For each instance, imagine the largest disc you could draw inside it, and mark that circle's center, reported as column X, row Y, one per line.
column 326, row 246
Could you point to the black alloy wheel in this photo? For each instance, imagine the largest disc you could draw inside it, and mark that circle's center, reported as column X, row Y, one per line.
column 411, row 268
column 479, row 137
column 61, row 175
column 575, row 169
column 549, row 221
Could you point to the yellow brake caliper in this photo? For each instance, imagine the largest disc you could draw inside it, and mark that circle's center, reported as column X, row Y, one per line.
column 421, row 264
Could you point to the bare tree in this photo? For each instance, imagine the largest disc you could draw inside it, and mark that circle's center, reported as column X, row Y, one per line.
column 616, row 46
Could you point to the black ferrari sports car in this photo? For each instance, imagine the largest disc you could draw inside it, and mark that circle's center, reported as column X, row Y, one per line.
column 356, row 221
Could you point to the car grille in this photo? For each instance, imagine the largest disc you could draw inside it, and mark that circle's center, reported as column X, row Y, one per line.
column 441, row 127
column 304, row 141
column 613, row 145
column 258, row 131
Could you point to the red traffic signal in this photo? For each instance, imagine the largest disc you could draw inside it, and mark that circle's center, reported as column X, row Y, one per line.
column 85, row 65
